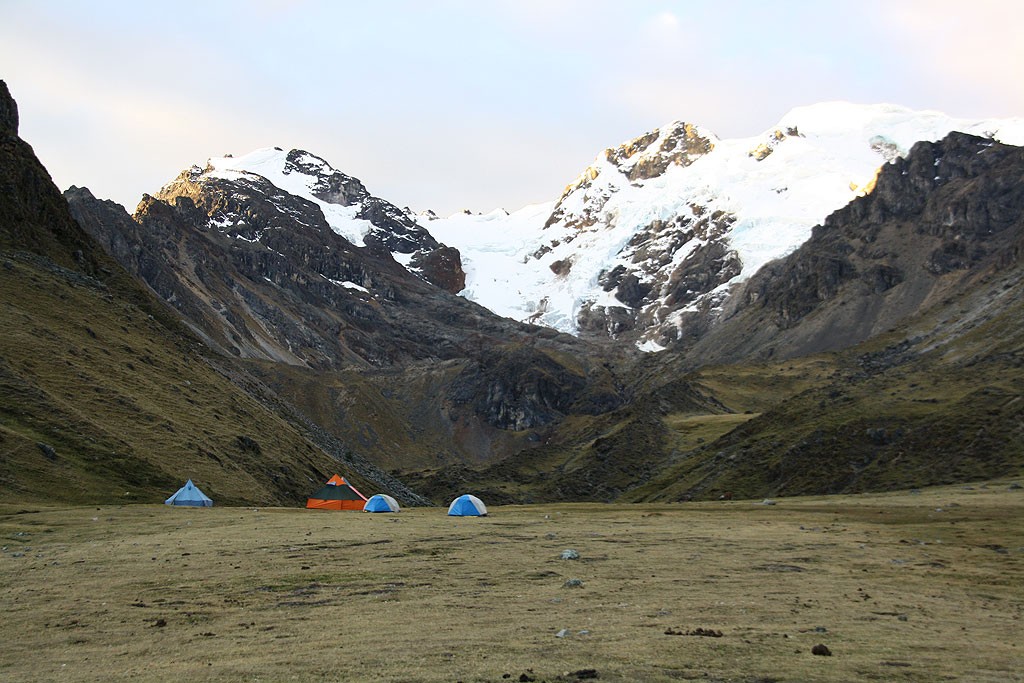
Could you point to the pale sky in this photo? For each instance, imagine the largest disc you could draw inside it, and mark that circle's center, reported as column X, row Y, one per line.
column 468, row 103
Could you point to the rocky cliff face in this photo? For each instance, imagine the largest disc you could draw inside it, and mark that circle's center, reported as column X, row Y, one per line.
column 270, row 188
column 264, row 273
column 266, row 277
column 530, row 386
column 646, row 244
column 643, row 158
column 936, row 221
column 665, row 264
column 33, row 217
column 8, row 113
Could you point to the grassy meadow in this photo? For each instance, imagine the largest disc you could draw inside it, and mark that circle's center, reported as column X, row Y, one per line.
column 912, row 586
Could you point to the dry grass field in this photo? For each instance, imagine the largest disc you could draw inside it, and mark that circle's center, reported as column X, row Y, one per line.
column 916, row 586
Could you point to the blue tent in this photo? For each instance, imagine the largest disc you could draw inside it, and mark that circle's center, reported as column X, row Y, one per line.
column 190, row 496
column 381, row 503
column 467, row 506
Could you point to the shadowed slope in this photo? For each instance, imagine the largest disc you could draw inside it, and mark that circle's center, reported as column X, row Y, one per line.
column 103, row 394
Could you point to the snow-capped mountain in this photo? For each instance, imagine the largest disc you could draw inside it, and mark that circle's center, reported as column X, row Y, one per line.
column 664, row 225
column 277, row 256
column 276, row 177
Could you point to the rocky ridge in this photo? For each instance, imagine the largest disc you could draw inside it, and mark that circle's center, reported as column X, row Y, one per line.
column 267, row 272
column 653, row 236
column 241, row 198
column 939, row 219
column 259, row 273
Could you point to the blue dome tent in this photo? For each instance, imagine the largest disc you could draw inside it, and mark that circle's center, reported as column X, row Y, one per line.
column 467, row 506
column 189, row 495
column 381, row 502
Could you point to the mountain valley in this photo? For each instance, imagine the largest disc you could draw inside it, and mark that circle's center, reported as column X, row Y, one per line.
column 841, row 313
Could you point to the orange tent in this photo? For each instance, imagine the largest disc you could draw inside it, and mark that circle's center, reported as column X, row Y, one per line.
column 337, row 494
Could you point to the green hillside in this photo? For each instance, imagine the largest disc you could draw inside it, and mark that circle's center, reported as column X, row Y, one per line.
column 100, row 401
column 104, row 394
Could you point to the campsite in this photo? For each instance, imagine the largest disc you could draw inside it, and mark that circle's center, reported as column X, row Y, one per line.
column 910, row 586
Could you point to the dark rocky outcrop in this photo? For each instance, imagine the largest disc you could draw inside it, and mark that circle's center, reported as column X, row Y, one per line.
column 276, row 282
column 8, row 112
column 393, row 229
column 33, row 215
column 441, row 266
column 651, row 290
column 259, row 274
column 525, row 387
column 933, row 224
column 682, row 145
